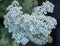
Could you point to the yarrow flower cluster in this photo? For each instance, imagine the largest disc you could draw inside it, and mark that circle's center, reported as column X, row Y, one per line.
column 44, row 8
column 35, row 27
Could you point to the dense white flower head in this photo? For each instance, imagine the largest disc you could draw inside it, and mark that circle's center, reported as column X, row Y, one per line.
column 35, row 27
column 44, row 8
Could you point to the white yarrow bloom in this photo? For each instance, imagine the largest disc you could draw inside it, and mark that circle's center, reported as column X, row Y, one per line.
column 35, row 27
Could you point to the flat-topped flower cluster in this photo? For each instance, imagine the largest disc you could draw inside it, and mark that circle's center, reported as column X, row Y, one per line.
column 35, row 27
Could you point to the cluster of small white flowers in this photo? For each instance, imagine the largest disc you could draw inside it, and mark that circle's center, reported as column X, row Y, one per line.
column 12, row 19
column 42, row 28
column 44, row 8
column 35, row 27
